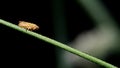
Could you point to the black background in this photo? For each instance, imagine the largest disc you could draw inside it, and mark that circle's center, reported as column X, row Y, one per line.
column 18, row 49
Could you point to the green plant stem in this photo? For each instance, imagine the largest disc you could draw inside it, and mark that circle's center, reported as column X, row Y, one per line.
column 58, row 44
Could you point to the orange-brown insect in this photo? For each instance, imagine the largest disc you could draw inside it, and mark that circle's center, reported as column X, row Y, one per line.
column 28, row 25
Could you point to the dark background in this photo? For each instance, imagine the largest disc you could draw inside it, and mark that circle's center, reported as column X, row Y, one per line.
column 21, row 49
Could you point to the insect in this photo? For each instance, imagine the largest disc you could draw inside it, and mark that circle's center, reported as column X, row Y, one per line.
column 28, row 25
